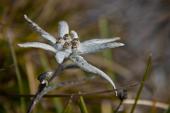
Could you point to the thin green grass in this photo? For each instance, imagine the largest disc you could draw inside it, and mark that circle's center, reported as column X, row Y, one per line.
column 44, row 60
column 18, row 75
column 82, row 105
column 146, row 74
column 68, row 108
column 58, row 105
column 104, row 33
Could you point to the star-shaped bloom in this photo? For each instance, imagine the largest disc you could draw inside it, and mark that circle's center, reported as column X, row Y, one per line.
column 68, row 46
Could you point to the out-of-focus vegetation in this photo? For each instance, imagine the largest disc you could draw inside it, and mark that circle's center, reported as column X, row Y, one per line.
column 143, row 26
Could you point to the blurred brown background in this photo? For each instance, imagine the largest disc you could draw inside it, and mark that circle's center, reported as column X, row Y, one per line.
column 143, row 25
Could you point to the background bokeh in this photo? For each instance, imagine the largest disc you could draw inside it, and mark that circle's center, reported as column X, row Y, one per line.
column 143, row 25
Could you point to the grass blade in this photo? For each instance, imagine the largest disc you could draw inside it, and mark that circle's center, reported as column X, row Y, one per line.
column 9, row 35
column 104, row 33
column 68, row 108
column 82, row 105
column 58, row 105
column 146, row 74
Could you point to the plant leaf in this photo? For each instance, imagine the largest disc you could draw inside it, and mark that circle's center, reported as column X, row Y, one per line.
column 146, row 74
column 83, row 64
column 82, row 105
column 38, row 45
column 63, row 28
column 39, row 30
column 96, row 45
column 68, row 108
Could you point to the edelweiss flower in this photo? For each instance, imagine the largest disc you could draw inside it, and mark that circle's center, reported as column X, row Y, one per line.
column 68, row 46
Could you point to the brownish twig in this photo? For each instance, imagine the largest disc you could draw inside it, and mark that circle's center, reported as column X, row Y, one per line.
column 43, row 90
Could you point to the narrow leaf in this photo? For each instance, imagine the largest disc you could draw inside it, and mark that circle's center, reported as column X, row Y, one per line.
column 84, row 65
column 39, row 30
column 146, row 74
column 17, row 71
column 38, row 45
column 68, row 108
column 82, row 105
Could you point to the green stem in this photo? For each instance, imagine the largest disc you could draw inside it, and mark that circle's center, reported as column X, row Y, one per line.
column 68, row 108
column 146, row 74
column 18, row 75
column 104, row 33
column 82, row 105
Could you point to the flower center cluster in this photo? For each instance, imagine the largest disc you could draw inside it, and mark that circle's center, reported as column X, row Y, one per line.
column 68, row 41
